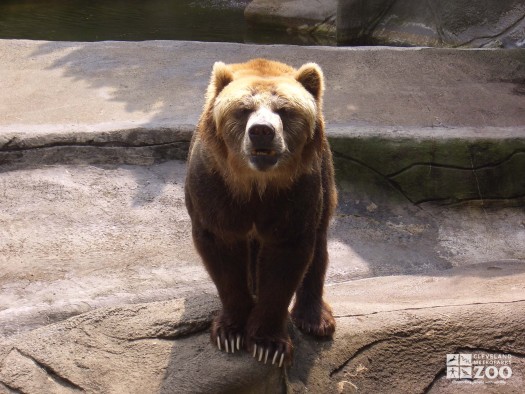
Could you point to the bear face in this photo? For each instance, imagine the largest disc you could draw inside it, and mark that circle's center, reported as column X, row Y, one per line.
column 267, row 119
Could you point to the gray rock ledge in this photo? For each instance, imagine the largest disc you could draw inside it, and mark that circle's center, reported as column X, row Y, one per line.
column 392, row 332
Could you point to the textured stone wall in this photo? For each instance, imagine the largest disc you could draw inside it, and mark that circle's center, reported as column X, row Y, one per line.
column 312, row 18
column 444, row 171
column 435, row 23
column 439, row 23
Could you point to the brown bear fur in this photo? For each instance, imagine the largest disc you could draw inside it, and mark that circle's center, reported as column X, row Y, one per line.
column 260, row 192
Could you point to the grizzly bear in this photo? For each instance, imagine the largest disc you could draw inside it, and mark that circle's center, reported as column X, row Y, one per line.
column 260, row 192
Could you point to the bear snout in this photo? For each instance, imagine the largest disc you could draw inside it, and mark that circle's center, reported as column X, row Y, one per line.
column 262, row 151
column 263, row 142
column 261, row 136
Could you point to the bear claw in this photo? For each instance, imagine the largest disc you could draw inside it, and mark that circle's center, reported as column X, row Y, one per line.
column 275, row 357
column 230, row 345
column 258, row 353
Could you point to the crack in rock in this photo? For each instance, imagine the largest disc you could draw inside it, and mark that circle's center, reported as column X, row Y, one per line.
column 362, row 349
column 106, row 144
column 385, row 177
column 357, row 353
column 429, row 307
column 61, row 380
column 453, row 167
column 10, row 389
column 497, row 35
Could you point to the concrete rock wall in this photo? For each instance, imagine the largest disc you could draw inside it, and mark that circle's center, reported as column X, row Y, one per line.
column 310, row 18
column 438, row 23
column 426, row 169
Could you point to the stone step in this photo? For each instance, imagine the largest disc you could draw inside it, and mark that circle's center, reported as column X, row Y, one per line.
column 125, row 85
column 436, row 125
column 484, row 166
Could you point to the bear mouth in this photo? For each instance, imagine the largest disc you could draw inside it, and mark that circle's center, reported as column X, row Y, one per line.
column 263, row 159
column 263, row 152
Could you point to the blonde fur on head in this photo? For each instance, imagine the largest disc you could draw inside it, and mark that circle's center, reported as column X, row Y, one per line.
column 274, row 86
column 221, row 76
column 311, row 77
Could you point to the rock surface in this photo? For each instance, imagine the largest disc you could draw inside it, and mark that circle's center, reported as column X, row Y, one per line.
column 437, row 167
column 312, row 18
column 437, row 23
column 75, row 237
column 428, row 146
column 400, row 344
column 57, row 88
column 461, row 116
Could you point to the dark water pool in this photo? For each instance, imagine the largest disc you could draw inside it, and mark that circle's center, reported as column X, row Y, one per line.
column 134, row 20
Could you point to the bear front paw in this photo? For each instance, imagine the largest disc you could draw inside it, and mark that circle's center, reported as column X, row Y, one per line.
column 317, row 321
column 226, row 335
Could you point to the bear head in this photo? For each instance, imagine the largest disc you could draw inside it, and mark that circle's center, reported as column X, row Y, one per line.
column 266, row 119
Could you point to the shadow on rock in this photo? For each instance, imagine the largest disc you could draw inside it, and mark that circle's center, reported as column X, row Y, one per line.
column 378, row 230
column 197, row 366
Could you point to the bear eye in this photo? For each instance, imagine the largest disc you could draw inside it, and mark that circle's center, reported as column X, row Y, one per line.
column 242, row 112
column 285, row 112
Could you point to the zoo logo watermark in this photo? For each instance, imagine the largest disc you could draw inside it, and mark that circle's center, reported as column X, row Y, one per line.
column 479, row 367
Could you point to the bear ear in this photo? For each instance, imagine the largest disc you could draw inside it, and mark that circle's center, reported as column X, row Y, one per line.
column 221, row 76
column 311, row 77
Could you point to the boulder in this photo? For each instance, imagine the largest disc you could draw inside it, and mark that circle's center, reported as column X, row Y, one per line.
column 438, row 23
column 311, row 17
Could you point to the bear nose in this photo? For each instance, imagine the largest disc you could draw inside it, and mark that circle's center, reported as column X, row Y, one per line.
column 261, row 135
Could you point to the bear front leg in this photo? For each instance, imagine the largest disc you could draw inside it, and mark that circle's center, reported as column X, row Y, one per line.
column 311, row 314
column 227, row 263
column 281, row 266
